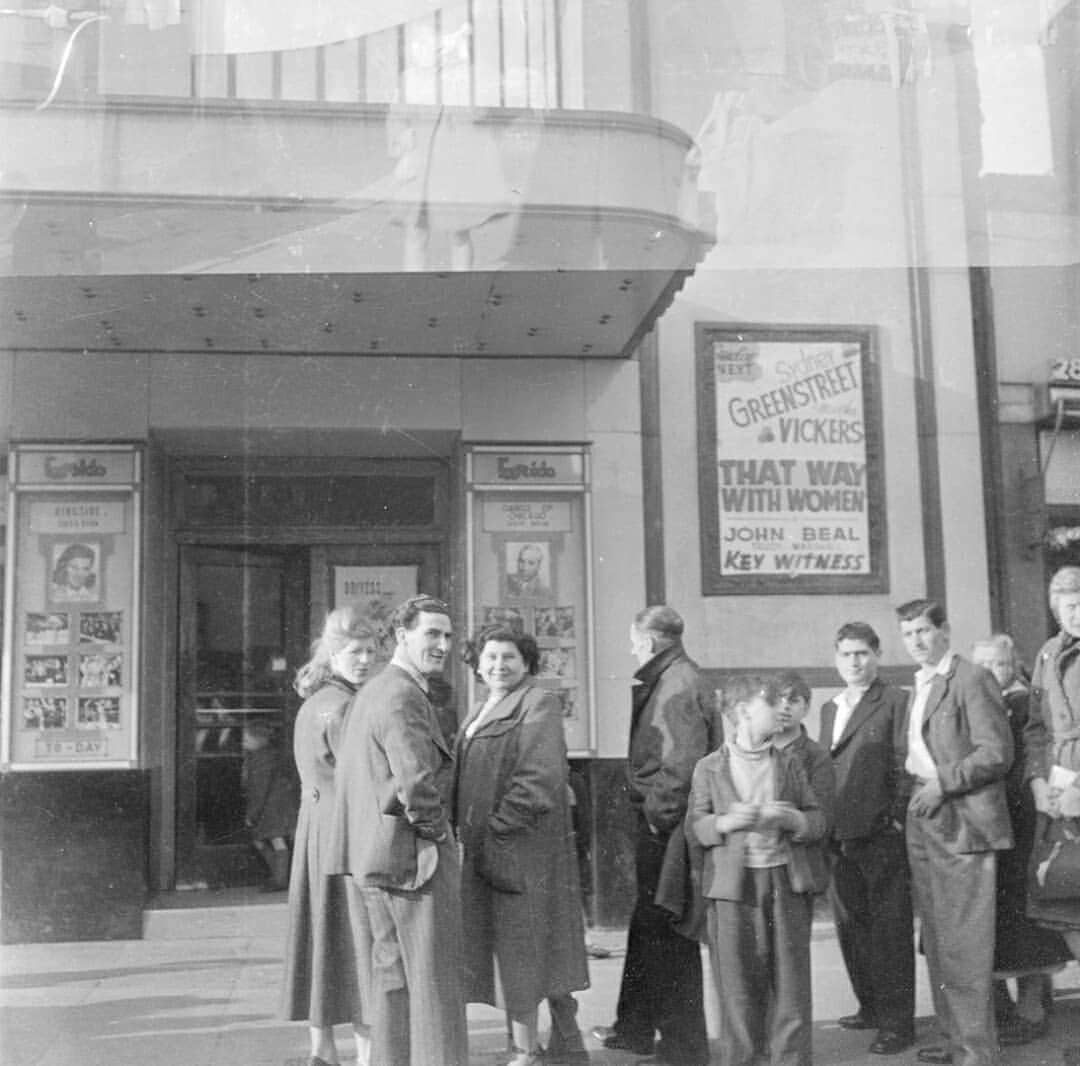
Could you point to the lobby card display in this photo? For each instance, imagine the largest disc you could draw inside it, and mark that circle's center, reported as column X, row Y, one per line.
column 528, row 556
column 70, row 683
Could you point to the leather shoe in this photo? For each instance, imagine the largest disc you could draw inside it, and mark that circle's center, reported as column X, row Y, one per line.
column 612, row 1039
column 857, row 1021
column 940, row 1055
column 891, row 1042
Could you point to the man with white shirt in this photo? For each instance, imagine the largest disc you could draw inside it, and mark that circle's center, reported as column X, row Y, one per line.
column 959, row 749
column 863, row 728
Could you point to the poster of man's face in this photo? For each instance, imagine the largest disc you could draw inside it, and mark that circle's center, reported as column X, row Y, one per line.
column 528, row 569
column 76, row 572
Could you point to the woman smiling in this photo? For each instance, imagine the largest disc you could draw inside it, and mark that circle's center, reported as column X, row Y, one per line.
column 524, row 937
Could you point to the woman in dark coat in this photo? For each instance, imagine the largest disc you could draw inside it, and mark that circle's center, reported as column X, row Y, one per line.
column 1022, row 949
column 520, row 896
column 1052, row 739
column 327, row 928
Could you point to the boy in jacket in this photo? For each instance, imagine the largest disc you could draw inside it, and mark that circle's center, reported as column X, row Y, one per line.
column 754, row 812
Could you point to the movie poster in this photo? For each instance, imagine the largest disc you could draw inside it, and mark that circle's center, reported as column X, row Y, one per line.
column 790, row 464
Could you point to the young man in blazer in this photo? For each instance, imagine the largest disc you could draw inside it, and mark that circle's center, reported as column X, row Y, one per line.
column 863, row 730
column 392, row 834
column 959, row 749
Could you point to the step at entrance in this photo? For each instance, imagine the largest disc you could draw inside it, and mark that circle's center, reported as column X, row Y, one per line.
column 209, row 914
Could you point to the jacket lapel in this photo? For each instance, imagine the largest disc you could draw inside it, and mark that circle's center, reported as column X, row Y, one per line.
column 865, row 709
column 725, row 785
column 436, row 732
column 825, row 726
column 506, row 708
column 938, row 687
column 647, row 678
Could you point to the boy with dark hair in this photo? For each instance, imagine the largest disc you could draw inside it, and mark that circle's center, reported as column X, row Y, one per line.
column 755, row 815
column 791, row 736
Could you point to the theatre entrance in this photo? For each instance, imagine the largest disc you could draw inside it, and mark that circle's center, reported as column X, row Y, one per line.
column 261, row 557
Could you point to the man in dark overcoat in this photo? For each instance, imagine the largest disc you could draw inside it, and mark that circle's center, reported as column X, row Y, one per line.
column 674, row 723
column 392, row 834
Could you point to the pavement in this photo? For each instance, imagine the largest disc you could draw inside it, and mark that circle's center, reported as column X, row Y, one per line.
column 201, row 989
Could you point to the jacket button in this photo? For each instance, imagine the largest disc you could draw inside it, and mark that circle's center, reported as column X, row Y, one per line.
column 315, row 794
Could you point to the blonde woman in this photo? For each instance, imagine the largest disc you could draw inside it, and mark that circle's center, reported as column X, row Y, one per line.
column 327, row 927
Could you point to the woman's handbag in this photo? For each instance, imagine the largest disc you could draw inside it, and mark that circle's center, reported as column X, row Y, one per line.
column 1055, row 859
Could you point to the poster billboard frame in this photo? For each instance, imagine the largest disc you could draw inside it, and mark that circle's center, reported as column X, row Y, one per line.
column 717, row 580
column 543, row 492
column 79, row 480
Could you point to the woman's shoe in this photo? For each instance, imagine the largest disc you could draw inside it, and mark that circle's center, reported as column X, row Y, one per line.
column 527, row 1058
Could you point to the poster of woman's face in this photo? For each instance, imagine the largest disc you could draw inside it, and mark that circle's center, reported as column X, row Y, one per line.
column 76, row 572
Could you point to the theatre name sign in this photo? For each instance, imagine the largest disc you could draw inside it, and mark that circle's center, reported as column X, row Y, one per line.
column 789, row 460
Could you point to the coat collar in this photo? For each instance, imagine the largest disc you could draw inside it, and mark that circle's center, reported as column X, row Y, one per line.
column 723, row 767
column 939, row 685
column 647, row 677
column 506, row 708
column 436, row 733
column 338, row 682
column 864, row 710
column 651, row 671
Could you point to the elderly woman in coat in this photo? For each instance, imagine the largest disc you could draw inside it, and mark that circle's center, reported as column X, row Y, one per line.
column 1052, row 733
column 520, row 897
column 1052, row 739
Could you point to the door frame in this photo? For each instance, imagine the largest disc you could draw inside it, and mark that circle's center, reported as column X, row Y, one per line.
column 163, row 674
column 195, row 861
column 323, row 549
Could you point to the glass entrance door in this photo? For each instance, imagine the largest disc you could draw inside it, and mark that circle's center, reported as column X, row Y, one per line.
column 244, row 620
column 248, row 614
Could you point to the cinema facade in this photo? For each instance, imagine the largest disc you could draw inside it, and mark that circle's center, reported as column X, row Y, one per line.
column 553, row 309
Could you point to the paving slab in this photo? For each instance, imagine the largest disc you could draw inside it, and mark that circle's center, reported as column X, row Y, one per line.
column 211, row 1000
